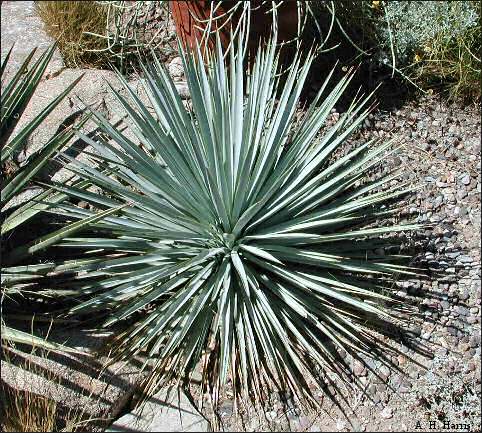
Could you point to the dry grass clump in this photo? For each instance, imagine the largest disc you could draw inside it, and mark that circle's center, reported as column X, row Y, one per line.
column 25, row 411
column 27, row 391
column 67, row 22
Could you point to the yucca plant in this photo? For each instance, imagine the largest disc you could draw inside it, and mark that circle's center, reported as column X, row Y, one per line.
column 244, row 242
column 16, row 177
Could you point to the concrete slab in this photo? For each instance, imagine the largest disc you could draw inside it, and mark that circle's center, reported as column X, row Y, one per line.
column 165, row 412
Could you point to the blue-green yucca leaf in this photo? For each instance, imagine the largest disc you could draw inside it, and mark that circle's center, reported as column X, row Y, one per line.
column 19, row 282
column 246, row 243
column 16, row 336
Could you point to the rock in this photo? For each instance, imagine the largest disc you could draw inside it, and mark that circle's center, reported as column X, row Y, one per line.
column 413, row 372
column 461, row 193
column 357, row 426
column 372, row 390
column 384, row 372
column 474, row 341
column 359, row 369
column 465, row 179
column 183, row 90
column 299, row 423
column 426, row 335
column 175, row 68
column 416, row 330
column 386, row 413
column 471, row 366
column 165, row 412
column 438, row 202
column 381, row 388
column 463, row 311
column 472, row 320
column 442, row 352
column 405, row 386
column 453, row 255
column 445, row 305
column 465, row 259
column 226, row 409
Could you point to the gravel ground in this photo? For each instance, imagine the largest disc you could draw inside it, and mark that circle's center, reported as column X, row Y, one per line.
column 440, row 151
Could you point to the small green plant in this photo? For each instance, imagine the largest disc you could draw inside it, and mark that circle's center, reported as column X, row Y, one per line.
column 437, row 44
column 25, row 410
column 239, row 240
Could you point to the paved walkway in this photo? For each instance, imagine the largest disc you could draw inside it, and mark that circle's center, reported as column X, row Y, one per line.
column 21, row 27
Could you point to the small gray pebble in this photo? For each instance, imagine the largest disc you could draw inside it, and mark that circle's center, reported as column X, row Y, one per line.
column 465, row 179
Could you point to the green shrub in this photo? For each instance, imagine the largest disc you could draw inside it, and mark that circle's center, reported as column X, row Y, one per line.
column 438, row 42
column 237, row 235
column 431, row 43
column 451, row 58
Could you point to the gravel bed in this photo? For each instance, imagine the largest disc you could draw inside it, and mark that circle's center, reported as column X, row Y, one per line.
column 439, row 151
